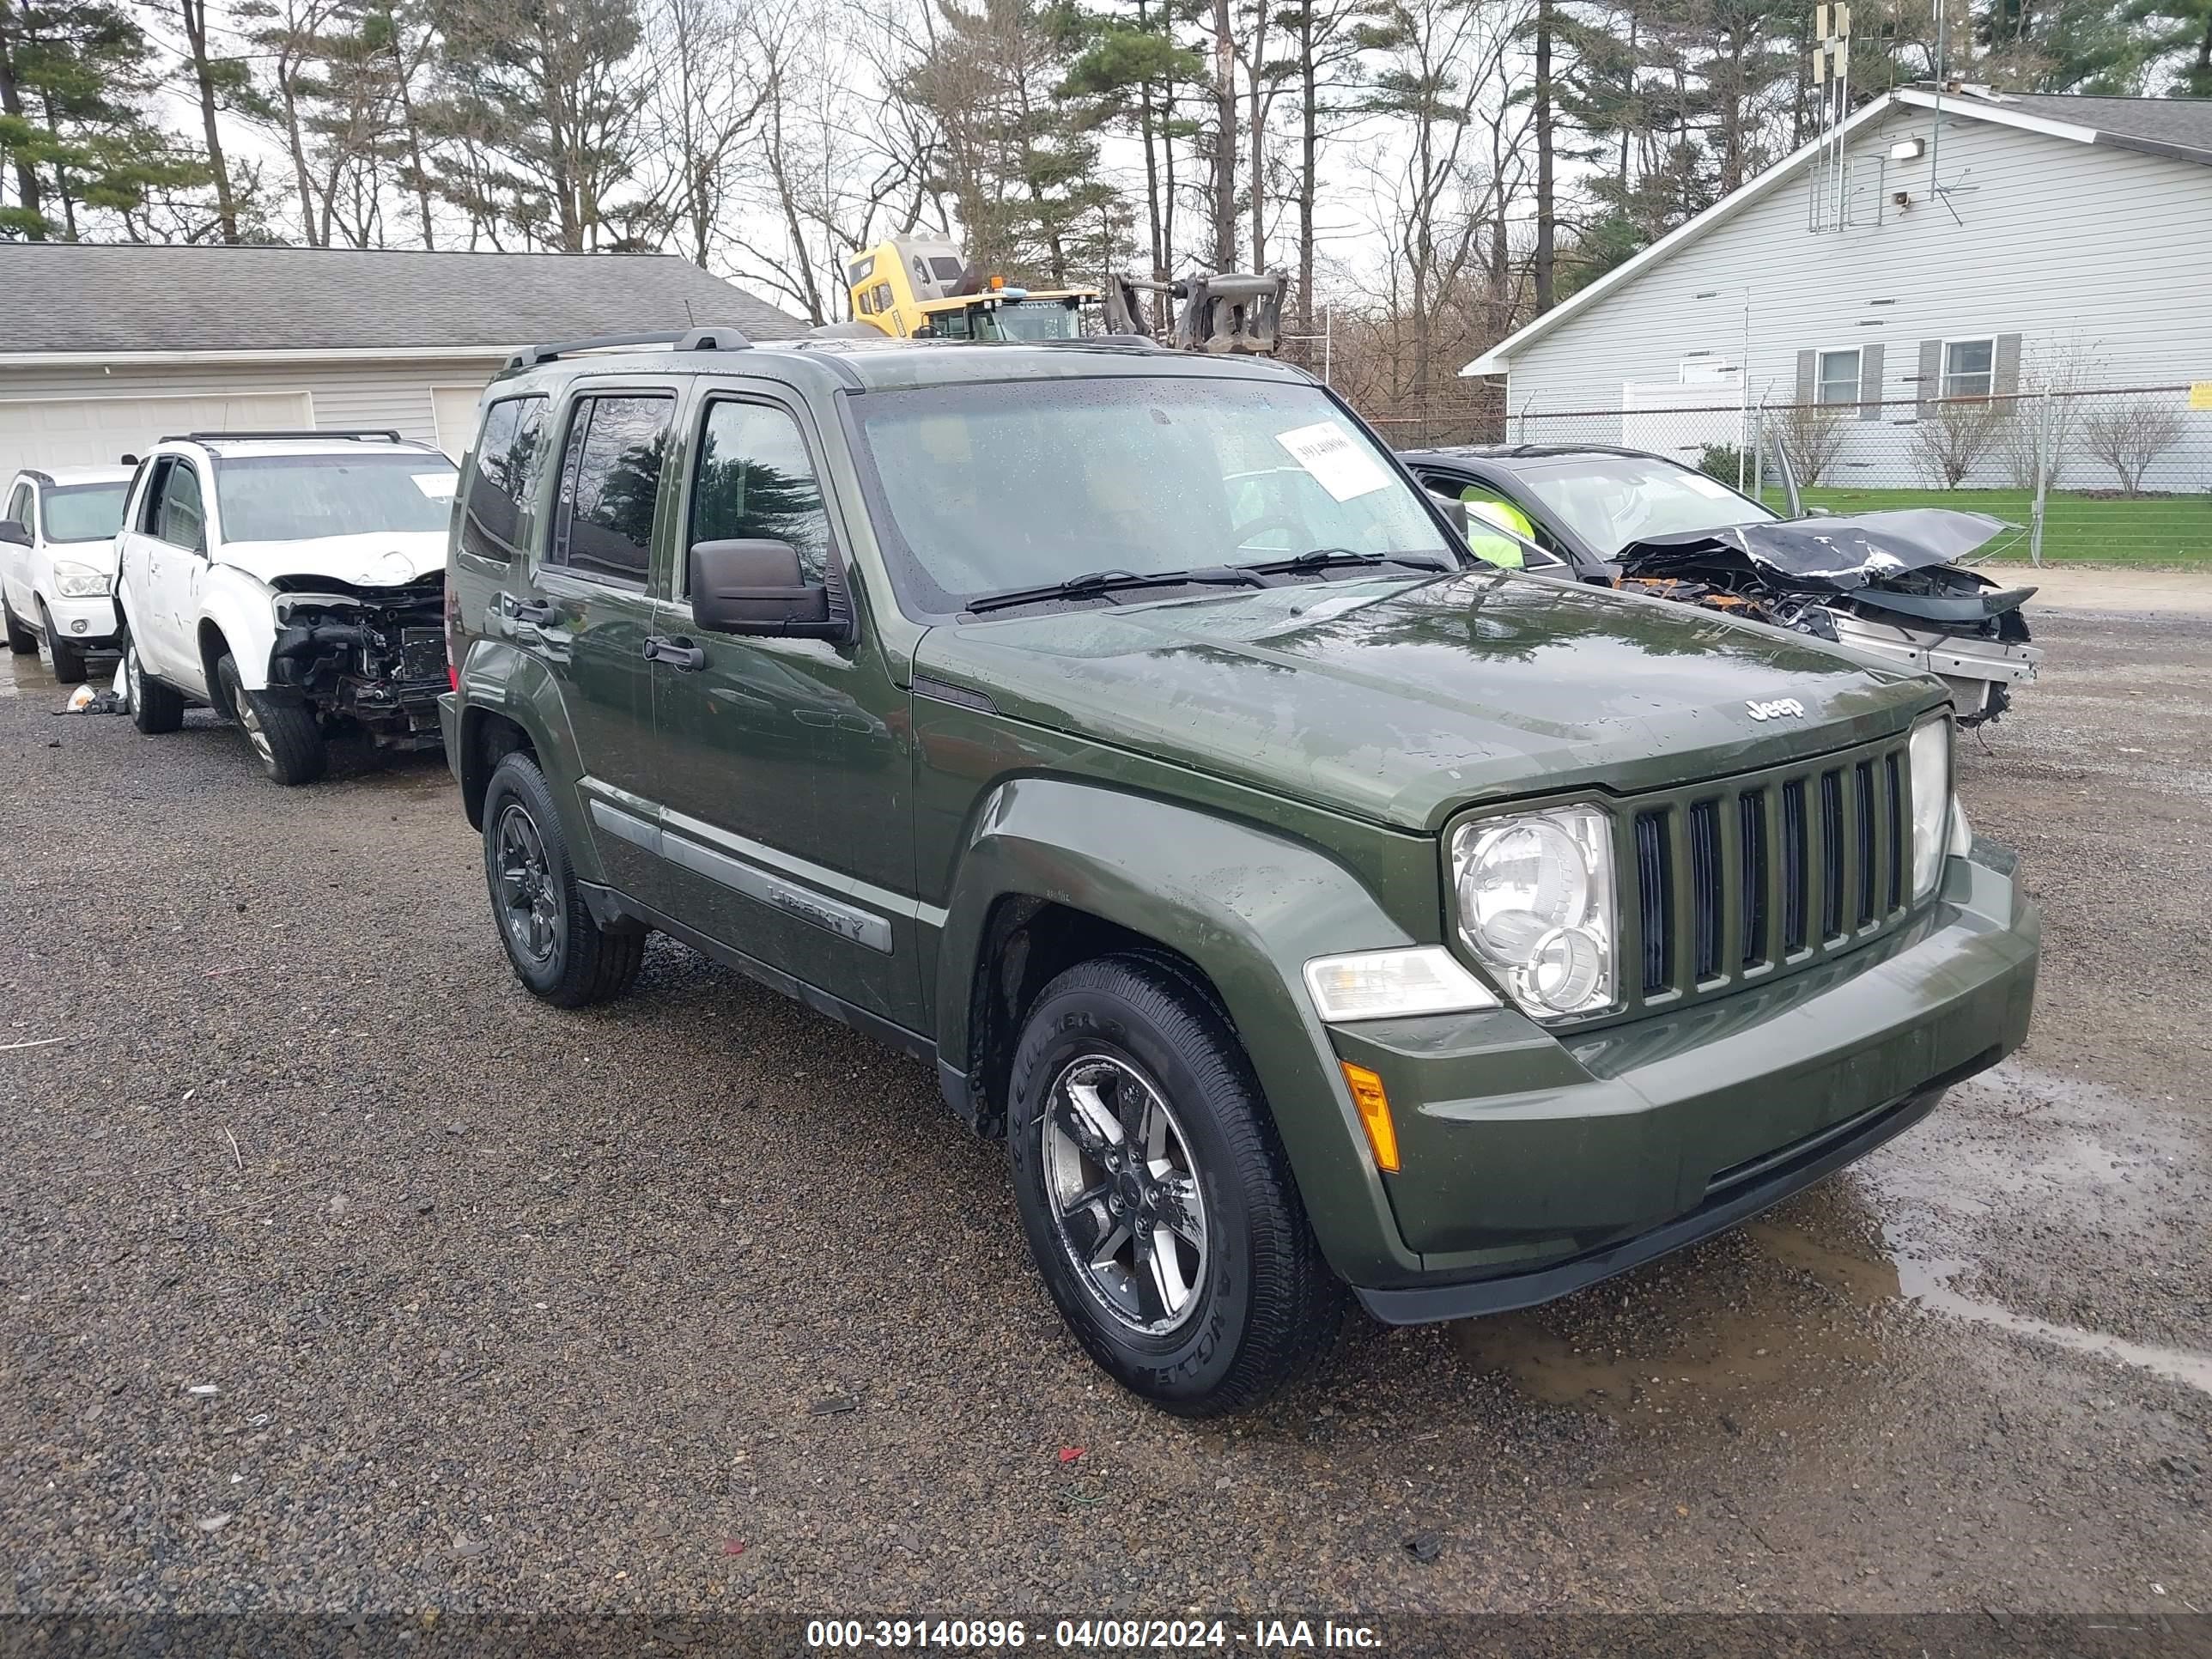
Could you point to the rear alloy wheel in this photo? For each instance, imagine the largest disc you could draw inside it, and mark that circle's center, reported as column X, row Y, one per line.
column 285, row 735
column 1156, row 1197
column 21, row 639
column 68, row 659
column 155, row 708
column 555, row 944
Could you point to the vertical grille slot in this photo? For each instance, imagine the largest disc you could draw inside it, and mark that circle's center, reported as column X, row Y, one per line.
column 1793, row 904
column 1900, row 850
column 1655, row 898
column 1868, row 870
column 1705, row 887
column 1750, row 846
column 1832, row 853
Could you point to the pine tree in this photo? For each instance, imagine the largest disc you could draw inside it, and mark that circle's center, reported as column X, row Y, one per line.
column 75, row 134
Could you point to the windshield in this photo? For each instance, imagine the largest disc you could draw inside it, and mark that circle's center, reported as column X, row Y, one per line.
column 286, row 498
column 1017, row 485
column 83, row 512
column 1010, row 319
column 1610, row 500
column 1037, row 320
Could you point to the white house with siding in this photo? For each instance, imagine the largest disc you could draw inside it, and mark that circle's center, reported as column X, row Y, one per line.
column 104, row 348
column 2070, row 241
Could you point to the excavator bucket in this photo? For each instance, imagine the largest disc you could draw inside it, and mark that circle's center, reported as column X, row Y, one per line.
column 1234, row 314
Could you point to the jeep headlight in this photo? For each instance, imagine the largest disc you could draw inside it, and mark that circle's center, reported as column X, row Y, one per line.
column 73, row 580
column 1930, row 752
column 1535, row 894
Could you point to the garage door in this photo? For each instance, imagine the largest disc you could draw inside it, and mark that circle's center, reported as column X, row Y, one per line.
column 456, row 409
column 100, row 431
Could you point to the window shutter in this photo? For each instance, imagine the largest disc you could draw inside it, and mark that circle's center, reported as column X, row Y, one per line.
column 1807, row 391
column 1930, row 385
column 2006, row 363
column 1870, row 382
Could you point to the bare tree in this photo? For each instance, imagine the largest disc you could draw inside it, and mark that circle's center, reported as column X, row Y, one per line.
column 211, row 78
column 1955, row 433
column 1223, row 139
column 707, row 98
column 1812, row 435
column 2128, row 433
column 833, row 164
column 1445, row 78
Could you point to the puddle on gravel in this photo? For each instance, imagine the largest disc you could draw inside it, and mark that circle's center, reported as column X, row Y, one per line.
column 1928, row 1281
column 1718, row 1324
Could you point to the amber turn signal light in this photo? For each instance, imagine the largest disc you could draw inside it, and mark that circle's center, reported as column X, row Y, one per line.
column 1374, row 1115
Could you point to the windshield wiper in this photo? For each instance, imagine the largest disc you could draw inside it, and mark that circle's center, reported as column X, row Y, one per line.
column 1329, row 559
column 1115, row 582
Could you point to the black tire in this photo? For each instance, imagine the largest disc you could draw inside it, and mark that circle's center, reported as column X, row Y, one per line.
column 1263, row 1304
column 155, row 709
column 68, row 660
column 21, row 639
column 285, row 736
column 555, row 945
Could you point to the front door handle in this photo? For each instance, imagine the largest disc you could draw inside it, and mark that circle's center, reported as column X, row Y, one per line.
column 529, row 610
column 678, row 653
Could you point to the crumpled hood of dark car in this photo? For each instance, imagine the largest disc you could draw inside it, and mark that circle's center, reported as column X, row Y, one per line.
column 1398, row 703
column 1838, row 553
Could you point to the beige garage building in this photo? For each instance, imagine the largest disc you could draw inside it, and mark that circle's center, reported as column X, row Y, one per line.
column 106, row 348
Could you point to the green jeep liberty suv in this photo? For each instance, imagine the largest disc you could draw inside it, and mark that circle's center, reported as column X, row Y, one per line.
column 1124, row 732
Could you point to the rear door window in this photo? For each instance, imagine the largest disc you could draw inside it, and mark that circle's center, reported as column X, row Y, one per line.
column 505, row 470
column 610, row 471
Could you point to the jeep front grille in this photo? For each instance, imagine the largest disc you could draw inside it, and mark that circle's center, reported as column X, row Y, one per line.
column 1726, row 883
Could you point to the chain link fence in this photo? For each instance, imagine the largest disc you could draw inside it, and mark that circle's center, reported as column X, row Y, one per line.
column 2119, row 475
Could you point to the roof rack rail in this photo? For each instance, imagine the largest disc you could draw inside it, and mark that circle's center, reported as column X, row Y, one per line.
column 694, row 339
column 1142, row 341
column 385, row 433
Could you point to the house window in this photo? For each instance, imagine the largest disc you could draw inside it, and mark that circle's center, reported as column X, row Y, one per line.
column 1969, row 368
column 1839, row 381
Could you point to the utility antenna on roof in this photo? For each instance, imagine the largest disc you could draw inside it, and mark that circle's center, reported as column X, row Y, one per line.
column 1828, row 205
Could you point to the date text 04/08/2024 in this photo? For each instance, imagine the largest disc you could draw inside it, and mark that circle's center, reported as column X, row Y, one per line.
column 989, row 1635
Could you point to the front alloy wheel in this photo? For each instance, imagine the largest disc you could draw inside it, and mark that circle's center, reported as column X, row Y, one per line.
column 1126, row 1203
column 1157, row 1200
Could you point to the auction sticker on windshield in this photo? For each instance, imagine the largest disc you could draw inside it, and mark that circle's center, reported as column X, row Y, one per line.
column 1335, row 460
column 438, row 486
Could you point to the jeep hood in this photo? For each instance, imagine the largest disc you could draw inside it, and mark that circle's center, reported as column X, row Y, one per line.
column 1399, row 703
column 386, row 558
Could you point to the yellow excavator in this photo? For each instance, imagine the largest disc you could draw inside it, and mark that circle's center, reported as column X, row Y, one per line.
column 917, row 287
column 914, row 288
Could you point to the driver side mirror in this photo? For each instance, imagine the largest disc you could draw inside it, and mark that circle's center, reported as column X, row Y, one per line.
column 15, row 532
column 758, row 587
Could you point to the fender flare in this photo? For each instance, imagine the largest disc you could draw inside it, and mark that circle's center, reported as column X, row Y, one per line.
column 497, row 679
column 1247, row 907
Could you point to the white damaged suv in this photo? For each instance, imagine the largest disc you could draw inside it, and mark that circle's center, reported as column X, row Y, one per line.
column 293, row 581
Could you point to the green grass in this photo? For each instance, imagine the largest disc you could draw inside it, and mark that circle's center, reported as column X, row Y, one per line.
column 2165, row 532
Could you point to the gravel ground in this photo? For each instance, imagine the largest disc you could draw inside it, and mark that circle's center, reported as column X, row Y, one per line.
column 338, row 1273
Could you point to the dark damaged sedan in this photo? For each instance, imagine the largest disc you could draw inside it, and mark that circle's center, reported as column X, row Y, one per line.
column 1886, row 584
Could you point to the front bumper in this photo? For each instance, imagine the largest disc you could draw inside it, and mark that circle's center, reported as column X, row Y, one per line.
column 88, row 623
column 1534, row 1163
